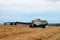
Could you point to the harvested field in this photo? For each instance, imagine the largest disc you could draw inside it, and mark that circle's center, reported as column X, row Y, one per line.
column 19, row 32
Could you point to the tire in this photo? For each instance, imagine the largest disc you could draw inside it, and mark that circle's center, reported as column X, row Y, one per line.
column 30, row 25
column 43, row 26
column 11, row 23
column 35, row 25
column 15, row 23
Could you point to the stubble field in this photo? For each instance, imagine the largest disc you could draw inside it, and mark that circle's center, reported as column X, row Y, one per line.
column 20, row 32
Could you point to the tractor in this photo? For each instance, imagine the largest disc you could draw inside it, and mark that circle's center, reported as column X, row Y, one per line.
column 38, row 23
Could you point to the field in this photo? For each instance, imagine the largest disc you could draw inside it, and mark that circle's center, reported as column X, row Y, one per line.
column 20, row 32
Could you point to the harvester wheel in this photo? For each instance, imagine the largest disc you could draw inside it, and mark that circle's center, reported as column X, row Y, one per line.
column 43, row 26
column 15, row 23
column 30, row 25
column 11, row 23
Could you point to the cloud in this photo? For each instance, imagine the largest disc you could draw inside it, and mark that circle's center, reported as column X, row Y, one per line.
column 0, row 3
column 53, row 0
column 29, row 6
column 21, row 7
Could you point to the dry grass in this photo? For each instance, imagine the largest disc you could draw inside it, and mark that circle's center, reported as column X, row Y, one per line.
column 58, row 38
column 20, row 32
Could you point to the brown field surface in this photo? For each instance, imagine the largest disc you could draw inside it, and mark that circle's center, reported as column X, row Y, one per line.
column 20, row 32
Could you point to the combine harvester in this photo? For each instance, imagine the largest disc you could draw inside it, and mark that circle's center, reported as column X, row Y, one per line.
column 38, row 23
column 34, row 23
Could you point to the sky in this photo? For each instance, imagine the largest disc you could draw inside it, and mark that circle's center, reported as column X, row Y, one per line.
column 27, row 10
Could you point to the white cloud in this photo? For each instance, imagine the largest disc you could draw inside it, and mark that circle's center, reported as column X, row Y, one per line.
column 29, row 6
column 53, row 0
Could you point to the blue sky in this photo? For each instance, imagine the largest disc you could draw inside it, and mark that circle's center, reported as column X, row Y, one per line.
column 27, row 10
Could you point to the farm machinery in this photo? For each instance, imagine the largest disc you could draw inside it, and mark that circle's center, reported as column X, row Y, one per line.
column 33, row 23
column 38, row 23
